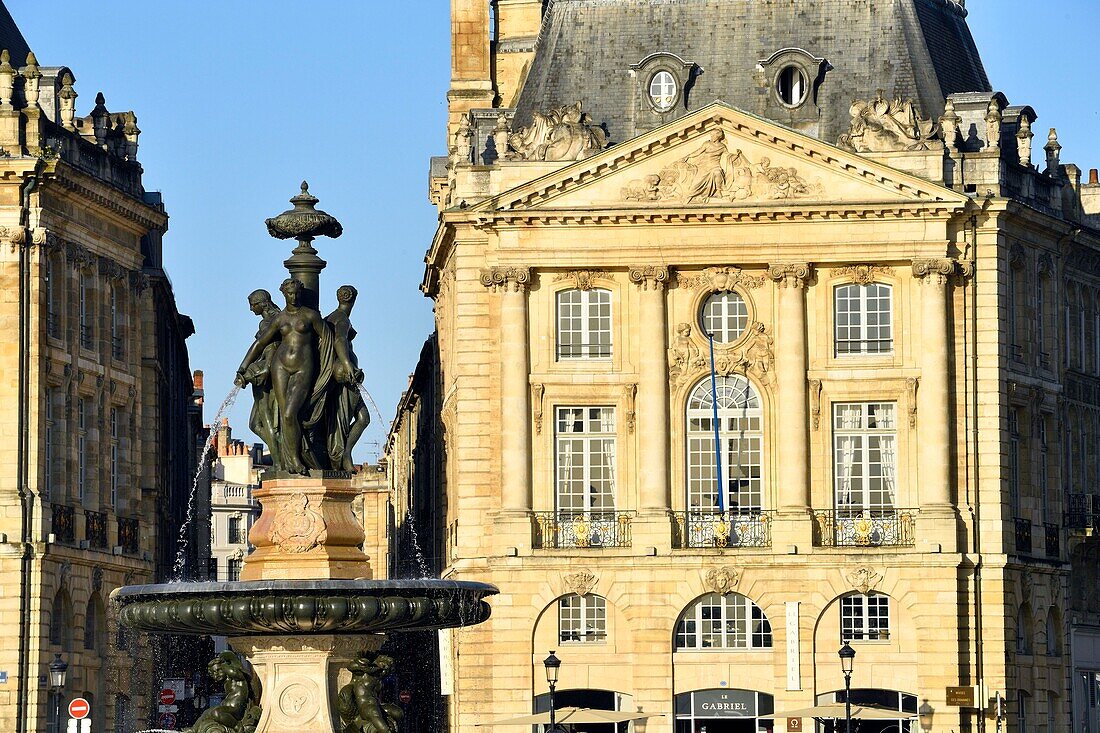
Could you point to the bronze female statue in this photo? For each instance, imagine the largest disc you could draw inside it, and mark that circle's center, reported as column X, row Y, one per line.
column 348, row 415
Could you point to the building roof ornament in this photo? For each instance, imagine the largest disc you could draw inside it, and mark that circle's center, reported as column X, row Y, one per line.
column 561, row 134
column 882, row 126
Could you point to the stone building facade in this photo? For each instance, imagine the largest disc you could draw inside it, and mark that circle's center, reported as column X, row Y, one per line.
column 906, row 360
column 99, row 413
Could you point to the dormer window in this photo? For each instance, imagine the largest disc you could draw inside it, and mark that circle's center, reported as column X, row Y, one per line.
column 791, row 85
column 662, row 91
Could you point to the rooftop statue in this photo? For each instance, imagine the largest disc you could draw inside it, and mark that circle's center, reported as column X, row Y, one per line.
column 564, row 133
column 882, row 126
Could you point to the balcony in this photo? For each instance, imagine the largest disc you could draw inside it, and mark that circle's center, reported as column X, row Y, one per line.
column 118, row 349
column 557, row 530
column 86, row 336
column 1023, row 536
column 53, row 326
column 710, row 529
column 1053, row 540
column 1083, row 512
column 95, row 529
column 128, row 535
column 62, row 523
column 866, row 528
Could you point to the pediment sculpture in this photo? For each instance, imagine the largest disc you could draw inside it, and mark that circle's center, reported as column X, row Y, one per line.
column 882, row 126
column 562, row 134
column 714, row 172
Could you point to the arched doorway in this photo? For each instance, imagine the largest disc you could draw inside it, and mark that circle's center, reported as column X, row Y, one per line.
column 587, row 698
column 724, row 710
column 903, row 702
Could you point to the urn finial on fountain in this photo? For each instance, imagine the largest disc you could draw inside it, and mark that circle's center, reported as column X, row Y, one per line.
column 305, row 222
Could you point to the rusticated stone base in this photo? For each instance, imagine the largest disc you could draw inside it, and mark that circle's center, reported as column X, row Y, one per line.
column 307, row 530
column 300, row 677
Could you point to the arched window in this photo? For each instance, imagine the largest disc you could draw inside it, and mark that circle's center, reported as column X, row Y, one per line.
column 1054, row 633
column 92, row 624
column 729, row 621
column 86, row 312
column 582, row 619
column 584, row 324
column 61, row 623
column 741, row 435
column 1023, row 630
column 53, row 326
column 863, row 316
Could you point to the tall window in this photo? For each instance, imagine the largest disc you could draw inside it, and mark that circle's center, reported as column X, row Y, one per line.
column 81, row 446
column 233, row 569
column 729, row 621
column 726, row 316
column 236, row 531
column 1011, row 305
column 52, row 325
column 1014, row 459
column 865, row 459
column 85, row 314
column 48, row 438
column 1044, row 467
column 865, row 617
column 1023, row 631
column 117, row 352
column 1054, row 633
column 114, row 456
column 585, row 460
column 1040, row 323
column 741, row 432
column 61, row 627
column 864, row 319
column 582, row 618
column 124, row 716
column 584, row 324
column 1024, row 711
column 91, row 626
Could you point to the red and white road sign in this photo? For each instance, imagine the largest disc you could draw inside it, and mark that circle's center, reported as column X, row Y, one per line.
column 167, row 696
column 167, row 720
column 79, row 708
column 405, row 697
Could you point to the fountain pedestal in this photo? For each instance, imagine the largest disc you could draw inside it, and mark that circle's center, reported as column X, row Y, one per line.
column 307, row 530
column 301, row 676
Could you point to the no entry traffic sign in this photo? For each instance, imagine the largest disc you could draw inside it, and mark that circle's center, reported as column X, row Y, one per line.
column 79, row 708
column 405, row 697
column 167, row 696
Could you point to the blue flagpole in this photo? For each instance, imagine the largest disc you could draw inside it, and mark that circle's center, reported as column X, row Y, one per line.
column 717, row 435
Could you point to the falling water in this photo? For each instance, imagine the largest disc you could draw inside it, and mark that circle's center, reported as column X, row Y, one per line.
column 370, row 400
column 418, row 552
column 181, row 552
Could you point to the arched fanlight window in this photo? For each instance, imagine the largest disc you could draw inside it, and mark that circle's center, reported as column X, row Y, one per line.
column 741, row 435
column 729, row 621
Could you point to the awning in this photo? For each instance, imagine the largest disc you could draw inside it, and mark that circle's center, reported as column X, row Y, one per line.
column 576, row 715
column 835, row 711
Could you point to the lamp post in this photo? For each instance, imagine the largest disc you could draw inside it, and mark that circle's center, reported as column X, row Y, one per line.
column 552, row 664
column 847, row 658
column 924, row 714
column 58, row 668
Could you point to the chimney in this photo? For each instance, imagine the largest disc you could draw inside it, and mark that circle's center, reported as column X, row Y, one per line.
column 1094, row 177
column 197, row 378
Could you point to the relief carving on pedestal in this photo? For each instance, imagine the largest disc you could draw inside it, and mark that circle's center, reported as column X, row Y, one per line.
column 713, row 172
column 297, row 528
column 882, row 126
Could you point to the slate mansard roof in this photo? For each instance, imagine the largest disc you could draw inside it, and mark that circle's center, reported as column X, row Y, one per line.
column 921, row 49
column 12, row 39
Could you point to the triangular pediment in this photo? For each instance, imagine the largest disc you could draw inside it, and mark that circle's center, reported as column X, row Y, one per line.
column 722, row 158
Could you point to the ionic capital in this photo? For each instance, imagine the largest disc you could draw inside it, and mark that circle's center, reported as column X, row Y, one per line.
column 649, row 277
column 514, row 278
column 934, row 271
column 790, row 274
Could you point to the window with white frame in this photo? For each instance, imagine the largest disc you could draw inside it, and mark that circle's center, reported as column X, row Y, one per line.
column 864, row 319
column 865, row 457
column 48, row 438
column 1012, row 300
column 236, row 535
column 662, row 91
column 584, row 324
column 585, row 457
column 582, row 618
column 729, row 621
column 741, row 435
column 865, row 617
column 81, row 447
column 233, row 569
column 725, row 315
column 115, row 468
column 52, row 325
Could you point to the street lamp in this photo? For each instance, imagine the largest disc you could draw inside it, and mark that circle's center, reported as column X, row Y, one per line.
column 847, row 658
column 552, row 664
column 58, row 668
column 924, row 713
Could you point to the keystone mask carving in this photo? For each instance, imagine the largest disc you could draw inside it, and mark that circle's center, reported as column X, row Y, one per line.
column 565, row 133
column 882, row 126
column 721, row 580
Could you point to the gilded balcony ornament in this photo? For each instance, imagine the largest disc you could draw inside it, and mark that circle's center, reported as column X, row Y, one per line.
column 582, row 532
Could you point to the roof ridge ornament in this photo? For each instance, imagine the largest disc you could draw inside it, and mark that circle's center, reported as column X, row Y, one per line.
column 882, row 126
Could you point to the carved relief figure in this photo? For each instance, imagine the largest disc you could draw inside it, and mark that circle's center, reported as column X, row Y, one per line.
column 297, row 528
column 565, row 133
column 882, row 126
column 240, row 708
column 684, row 355
column 713, row 172
column 757, row 356
column 359, row 702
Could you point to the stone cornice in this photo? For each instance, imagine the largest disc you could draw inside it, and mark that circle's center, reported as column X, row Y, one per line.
column 109, row 198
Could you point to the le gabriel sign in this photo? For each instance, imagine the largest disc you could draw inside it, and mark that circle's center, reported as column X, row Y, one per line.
column 719, row 704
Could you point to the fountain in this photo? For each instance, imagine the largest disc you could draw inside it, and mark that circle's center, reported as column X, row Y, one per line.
column 306, row 613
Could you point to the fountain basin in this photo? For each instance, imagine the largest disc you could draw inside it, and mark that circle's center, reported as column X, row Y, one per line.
column 263, row 607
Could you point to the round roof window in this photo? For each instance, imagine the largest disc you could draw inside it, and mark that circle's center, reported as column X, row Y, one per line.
column 792, row 86
column 662, row 91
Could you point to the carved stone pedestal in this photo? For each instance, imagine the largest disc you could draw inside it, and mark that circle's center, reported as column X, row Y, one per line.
column 307, row 530
column 301, row 677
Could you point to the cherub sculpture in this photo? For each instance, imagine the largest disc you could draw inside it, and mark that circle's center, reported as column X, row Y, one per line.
column 240, row 709
column 359, row 701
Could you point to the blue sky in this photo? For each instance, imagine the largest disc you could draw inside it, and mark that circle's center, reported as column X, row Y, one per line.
column 239, row 101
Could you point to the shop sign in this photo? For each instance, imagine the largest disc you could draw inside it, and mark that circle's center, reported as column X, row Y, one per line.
column 962, row 697
column 724, row 704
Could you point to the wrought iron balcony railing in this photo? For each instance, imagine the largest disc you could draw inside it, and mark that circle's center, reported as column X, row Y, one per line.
column 592, row 529
column 118, row 348
column 95, row 529
column 62, row 523
column 128, row 535
column 1023, row 536
column 1083, row 512
column 53, row 326
column 1053, row 540
column 856, row 527
column 86, row 336
column 713, row 529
